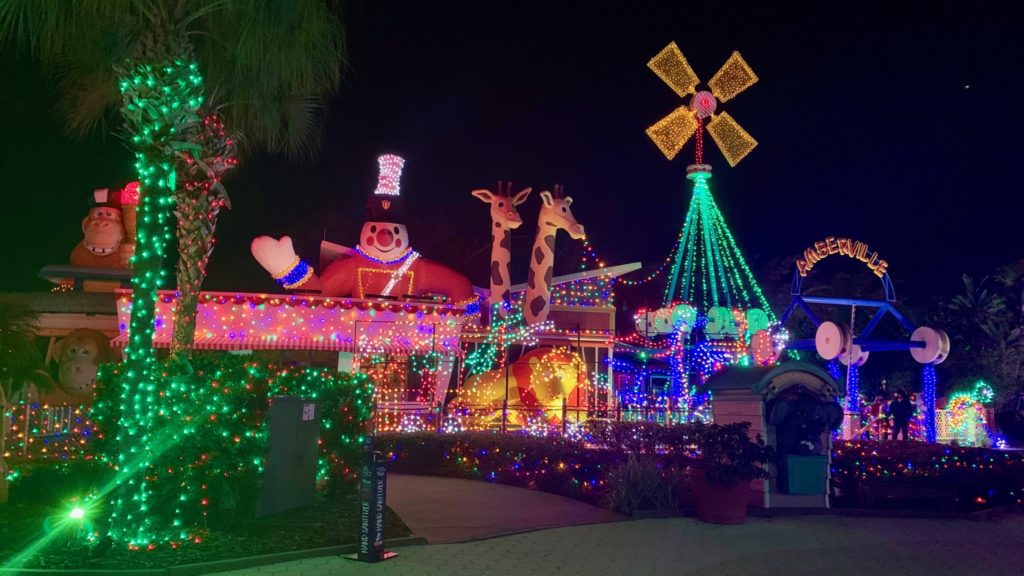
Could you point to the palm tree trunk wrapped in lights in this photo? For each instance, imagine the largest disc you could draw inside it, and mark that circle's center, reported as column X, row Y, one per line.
column 198, row 200
column 161, row 91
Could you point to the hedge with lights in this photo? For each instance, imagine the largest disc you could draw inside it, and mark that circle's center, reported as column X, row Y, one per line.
column 982, row 477
column 584, row 469
column 575, row 469
column 212, row 439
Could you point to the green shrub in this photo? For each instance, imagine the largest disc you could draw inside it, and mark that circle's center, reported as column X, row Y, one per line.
column 215, row 409
column 641, row 484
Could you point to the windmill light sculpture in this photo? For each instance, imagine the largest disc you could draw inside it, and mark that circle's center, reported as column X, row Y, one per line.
column 672, row 132
column 709, row 284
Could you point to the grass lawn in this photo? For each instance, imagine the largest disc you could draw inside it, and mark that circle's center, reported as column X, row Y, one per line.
column 327, row 522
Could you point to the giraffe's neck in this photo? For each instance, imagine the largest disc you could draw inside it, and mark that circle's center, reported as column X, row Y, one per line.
column 501, row 255
column 537, row 302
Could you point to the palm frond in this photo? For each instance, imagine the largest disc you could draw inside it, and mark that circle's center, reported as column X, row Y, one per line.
column 287, row 57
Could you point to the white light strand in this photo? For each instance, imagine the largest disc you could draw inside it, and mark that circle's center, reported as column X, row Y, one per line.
column 399, row 272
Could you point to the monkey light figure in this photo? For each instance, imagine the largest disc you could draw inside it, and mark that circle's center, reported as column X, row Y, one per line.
column 108, row 232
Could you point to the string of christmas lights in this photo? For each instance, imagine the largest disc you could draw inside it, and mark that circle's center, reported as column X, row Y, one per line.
column 928, row 380
column 43, row 432
column 159, row 101
column 853, row 388
column 597, row 292
column 709, row 269
column 198, row 201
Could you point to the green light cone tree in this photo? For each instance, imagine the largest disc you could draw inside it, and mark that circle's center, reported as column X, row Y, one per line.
column 708, row 268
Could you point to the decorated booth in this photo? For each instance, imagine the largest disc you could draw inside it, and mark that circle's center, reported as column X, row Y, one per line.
column 794, row 407
column 380, row 308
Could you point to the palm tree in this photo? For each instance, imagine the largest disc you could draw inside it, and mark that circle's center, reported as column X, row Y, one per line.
column 154, row 62
column 987, row 328
column 270, row 62
column 198, row 201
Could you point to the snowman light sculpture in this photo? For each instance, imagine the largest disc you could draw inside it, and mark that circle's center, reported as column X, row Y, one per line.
column 383, row 265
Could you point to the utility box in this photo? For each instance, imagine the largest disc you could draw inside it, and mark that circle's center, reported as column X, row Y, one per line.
column 289, row 479
column 804, row 474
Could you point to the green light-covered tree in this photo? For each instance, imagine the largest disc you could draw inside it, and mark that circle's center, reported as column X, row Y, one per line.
column 153, row 61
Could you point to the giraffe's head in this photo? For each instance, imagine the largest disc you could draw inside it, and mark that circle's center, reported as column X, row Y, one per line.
column 555, row 212
column 503, row 205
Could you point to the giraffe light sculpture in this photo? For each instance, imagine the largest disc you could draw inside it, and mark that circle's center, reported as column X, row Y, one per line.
column 504, row 218
column 555, row 215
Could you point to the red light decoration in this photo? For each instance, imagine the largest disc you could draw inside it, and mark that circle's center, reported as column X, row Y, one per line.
column 238, row 321
column 130, row 194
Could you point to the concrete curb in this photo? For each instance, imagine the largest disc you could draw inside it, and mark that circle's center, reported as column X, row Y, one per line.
column 219, row 565
column 539, row 529
column 987, row 514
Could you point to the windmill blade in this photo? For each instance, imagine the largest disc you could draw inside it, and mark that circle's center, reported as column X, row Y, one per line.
column 732, row 139
column 733, row 77
column 674, row 70
column 671, row 132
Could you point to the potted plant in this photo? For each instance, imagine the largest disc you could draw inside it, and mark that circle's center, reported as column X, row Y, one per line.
column 720, row 477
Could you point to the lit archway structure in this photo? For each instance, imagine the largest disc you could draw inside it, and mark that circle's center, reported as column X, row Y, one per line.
column 928, row 346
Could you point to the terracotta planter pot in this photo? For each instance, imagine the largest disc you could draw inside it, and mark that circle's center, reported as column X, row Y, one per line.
column 718, row 504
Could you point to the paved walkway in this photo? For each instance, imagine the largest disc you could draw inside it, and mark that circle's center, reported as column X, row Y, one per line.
column 794, row 546
column 445, row 510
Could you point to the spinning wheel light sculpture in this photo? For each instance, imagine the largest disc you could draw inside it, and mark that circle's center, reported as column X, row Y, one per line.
column 672, row 132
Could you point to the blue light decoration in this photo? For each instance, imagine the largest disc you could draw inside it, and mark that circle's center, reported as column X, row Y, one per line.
column 928, row 392
column 853, row 390
column 295, row 276
column 833, row 369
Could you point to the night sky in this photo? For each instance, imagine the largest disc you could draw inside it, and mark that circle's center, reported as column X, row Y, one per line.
column 899, row 128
